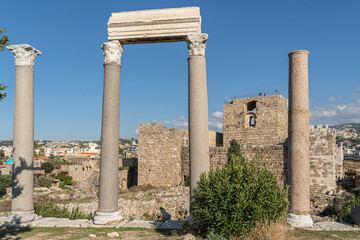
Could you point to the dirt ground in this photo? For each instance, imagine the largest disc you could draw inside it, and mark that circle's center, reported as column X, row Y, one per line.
column 142, row 234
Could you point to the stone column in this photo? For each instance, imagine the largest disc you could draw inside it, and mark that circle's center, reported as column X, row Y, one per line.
column 22, row 203
column 109, row 161
column 198, row 109
column 299, row 140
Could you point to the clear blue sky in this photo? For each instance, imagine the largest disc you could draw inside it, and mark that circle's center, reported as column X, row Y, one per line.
column 246, row 53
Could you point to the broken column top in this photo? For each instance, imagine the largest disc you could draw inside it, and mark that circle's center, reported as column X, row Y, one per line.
column 152, row 26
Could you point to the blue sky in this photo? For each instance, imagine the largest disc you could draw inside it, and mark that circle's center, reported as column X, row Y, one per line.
column 246, row 53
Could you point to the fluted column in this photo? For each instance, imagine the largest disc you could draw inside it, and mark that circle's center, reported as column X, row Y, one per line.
column 22, row 203
column 299, row 211
column 198, row 109
column 109, row 161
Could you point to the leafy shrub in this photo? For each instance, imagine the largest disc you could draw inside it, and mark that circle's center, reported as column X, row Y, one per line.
column 47, row 166
column 65, row 180
column 342, row 205
column 230, row 201
column 51, row 209
column 234, row 149
column 5, row 181
column 44, row 181
column 350, row 172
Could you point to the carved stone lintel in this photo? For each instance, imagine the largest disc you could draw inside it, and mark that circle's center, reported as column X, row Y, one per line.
column 24, row 54
column 112, row 52
column 197, row 44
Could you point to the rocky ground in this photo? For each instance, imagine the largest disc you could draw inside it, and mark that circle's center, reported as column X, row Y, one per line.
column 148, row 203
column 140, row 202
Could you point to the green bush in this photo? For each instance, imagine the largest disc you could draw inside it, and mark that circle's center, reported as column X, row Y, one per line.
column 5, row 181
column 350, row 172
column 51, row 209
column 44, row 181
column 230, row 201
column 65, row 180
column 234, row 149
column 342, row 205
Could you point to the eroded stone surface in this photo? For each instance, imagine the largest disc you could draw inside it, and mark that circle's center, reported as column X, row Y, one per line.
column 142, row 224
column 196, row 44
column 336, row 226
column 157, row 25
column 112, row 52
column 299, row 159
column 24, row 54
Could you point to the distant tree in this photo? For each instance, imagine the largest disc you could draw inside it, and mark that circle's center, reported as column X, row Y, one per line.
column 121, row 151
column 5, row 181
column 36, row 145
column 56, row 162
column 47, row 166
column 4, row 41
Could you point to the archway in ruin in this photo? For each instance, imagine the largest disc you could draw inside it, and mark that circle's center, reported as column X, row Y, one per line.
column 151, row 26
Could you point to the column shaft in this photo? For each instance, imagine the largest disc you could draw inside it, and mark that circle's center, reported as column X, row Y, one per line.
column 198, row 120
column 23, row 159
column 299, row 139
column 22, row 202
column 108, row 200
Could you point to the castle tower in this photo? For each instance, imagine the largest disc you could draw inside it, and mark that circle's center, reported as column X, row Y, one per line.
column 256, row 121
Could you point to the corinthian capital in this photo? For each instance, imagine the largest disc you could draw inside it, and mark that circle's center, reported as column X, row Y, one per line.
column 112, row 52
column 24, row 54
column 197, row 44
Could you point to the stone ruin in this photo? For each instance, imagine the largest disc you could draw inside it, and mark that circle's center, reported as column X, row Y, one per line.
column 264, row 134
column 163, row 158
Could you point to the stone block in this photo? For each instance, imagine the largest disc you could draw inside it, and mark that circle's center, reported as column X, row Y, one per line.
column 157, row 25
column 336, row 226
column 171, row 224
column 50, row 222
column 142, row 224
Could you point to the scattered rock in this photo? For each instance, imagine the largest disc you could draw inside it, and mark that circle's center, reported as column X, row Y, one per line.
column 157, row 203
column 189, row 237
column 92, row 235
column 113, row 235
column 355, row 214
column 114, row 222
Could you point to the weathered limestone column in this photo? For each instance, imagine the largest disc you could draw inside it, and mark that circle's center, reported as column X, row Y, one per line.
column 299, row 211
column 109, row 162
column 22, row 203
column 198, row 109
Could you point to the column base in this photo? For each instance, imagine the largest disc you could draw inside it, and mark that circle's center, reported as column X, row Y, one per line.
column 22, row 217
column 301, row 221
column 103, row 218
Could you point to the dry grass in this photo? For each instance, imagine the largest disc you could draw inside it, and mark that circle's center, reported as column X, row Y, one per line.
column 268, row 231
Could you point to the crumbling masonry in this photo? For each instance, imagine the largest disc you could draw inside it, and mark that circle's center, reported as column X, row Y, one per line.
column 163, row 153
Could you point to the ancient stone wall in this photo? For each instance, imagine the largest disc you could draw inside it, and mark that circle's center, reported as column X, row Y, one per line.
column 273, row 156
column 325, row 160
column 256, row 120
column 162, row 153
column 267, row 140
column 86, row 175
column 159, row 162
